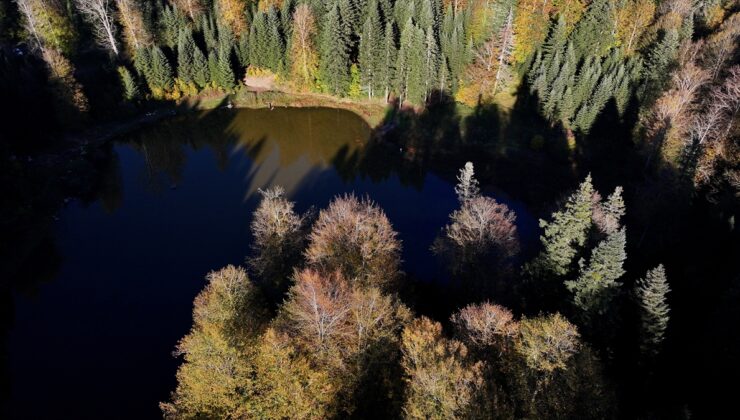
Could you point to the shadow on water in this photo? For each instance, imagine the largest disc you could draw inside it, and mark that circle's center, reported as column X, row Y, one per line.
column 408, row 164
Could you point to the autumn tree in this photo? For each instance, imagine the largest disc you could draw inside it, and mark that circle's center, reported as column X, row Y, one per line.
column 193, row 8
column 135, row 32
column 440, row 380
column 467, row 186
column 305, row 59
column 278, row 239
column 70, row 100
column 485, row 326
column 356, row 238
column 633, row 17
column 285, row 385
column 227, row 318
column 652, row 291
column 232, row 14
column 47, row 25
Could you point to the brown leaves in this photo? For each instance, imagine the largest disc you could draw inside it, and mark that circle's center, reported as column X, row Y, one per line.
column 485, row 325
column 440, row 381
column 355, row 238
column 547, row 343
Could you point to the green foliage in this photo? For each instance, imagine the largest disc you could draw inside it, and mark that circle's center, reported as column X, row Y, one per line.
column 186, row 57
column 568, row 230
column 410, row 82
column 371, row 52
column 130, row 88
column 172, row 22
column 597, row 282
column 159, row 76
column 334, row 54
column 355, row 86
column 651, row 292
column 594, row 34
column 224, row 76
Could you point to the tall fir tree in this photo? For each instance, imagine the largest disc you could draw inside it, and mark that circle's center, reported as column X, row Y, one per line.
column 224, row 73
column 387, row 63
column 274, row 45
column 597, row 282
column 371, row 51
column 567, row 232
column 334, row 64
column 161, row 71
column 186, row 57
column 654, row 311
column 201, row 75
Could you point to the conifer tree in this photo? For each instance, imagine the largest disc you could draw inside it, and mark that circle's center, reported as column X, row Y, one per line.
column 387, row 64
column 594, row 34
column 410, row 64
column 172, row 22
column 430, row 69
column 371, row 51
column 596, row 284
column 213, row 67
column 208, row 29
column 143, row 62
column 334, row 65
column 130, row 89
column 651, row 292
column 224, row 73
column 160, row 77
column 200, row 72
column 568, row 230
column 185, row 57
column 274, row 46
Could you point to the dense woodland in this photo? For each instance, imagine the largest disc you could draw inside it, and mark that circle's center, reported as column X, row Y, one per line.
column 322, row 322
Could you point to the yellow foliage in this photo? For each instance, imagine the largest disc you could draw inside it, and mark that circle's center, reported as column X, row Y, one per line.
column 632, row 20
column 232, row 12
column 530, row 26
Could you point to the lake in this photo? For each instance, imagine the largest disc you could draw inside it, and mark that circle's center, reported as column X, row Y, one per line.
column 175, row 202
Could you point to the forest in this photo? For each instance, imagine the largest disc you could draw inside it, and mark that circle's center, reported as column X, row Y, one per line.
column 615, row 121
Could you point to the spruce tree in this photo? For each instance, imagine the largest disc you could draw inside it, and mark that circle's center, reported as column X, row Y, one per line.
column 371, row 51
column 201, row 74
column 651, row 292
column 431, row 62
column 387, row 64
column 185, row 57
column 213, row 67
column 568, row 230
column 143, row 62
column 410, row 64
column 224, row 73
column 161, row 71
column 130, row 88
column 208, row 29
column 334, row 64
column 597, row 282
column 594, row 33
column 274, row 45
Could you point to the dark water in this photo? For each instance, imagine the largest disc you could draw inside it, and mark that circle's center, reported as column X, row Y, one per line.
column 96, row 340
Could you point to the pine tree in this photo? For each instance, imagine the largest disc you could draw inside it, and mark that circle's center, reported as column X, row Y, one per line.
column 185, row 57
column 208, row 29
column 371, row 51
column 213, row 67
column 334, row 64
column 651, row 292
column 224, row 73
column 201, row 74
column 387, row 64
column 130, row 88
column 410, row 63
column 143, row 62
column 274, row 45
column 568, row 230
column 161, row 72
column 594, row 33
column 172, row 22
column 431, row 62
column 597, row 281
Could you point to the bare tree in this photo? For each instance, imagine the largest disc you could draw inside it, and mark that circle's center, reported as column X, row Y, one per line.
column 467, row 186
column 318, row 313
column 100, row 14
column 485, row 325
column 30, row 21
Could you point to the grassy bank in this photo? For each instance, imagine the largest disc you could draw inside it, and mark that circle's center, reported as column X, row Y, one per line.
column 372, row 111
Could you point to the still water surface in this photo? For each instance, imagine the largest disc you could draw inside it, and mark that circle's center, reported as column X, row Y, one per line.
column 96, row 342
